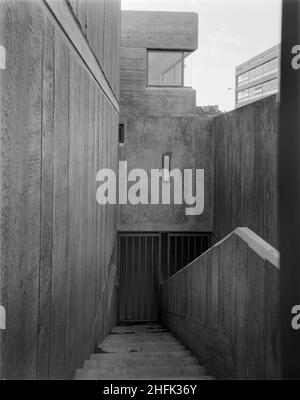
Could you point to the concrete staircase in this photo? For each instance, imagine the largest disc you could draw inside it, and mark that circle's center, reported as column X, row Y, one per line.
column 142, row 352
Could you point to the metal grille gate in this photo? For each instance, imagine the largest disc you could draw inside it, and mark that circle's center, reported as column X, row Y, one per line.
column 139, row 269
column 184, row 248
column 144, row 260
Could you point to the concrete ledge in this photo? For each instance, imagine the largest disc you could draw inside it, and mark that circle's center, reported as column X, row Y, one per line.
column 255, row 242
column 259, row 246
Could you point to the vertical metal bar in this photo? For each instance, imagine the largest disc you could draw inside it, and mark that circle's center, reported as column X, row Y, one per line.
column 152, row 279
column 159, row 278
column 289, row 187
column 176, row 247
column 146, row 277
column 182, row 259
column 133, row 291
column 125, row 278
column 205, row 241
column 118, row 276
column 139, row 281
column 195, row 245
column 169, row 257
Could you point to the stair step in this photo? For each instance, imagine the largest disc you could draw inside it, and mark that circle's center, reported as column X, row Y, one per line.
column 140, row 362
column 122, row 341
column 141, row 372
column 140, row 355
column 137, row 344
column 140, row 334
column 138, row 328
column 146, row 351
column 145, row 332
column 141, row 347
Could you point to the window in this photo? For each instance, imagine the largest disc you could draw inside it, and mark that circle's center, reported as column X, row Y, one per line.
column 255, row 92
column 121, row 133
column 167, row 68
column 250, row 76
column 270, row 67
column 258, row 72
column 258, row 91
column 243, row 78
column 243, row 95
column 270, row 87
column 255, row 73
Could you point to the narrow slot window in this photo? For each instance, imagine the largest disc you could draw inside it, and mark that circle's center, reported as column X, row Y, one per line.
column 121, row 133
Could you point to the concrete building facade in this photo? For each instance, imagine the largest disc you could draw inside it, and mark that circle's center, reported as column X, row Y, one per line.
column 161, row 117
column 258, row 77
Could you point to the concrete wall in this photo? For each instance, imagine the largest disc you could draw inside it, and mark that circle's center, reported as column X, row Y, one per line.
column 224, row 307
column 100, row 24
column 160, row 29
column 189, row 139
column 59, row 124
column 159, row 120
column 154, row 30
column 245, row 177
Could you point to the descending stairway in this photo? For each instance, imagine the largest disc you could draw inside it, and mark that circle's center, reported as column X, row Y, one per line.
column 142, row 352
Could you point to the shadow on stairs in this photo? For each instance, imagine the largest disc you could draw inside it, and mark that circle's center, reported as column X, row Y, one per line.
column 147, row 351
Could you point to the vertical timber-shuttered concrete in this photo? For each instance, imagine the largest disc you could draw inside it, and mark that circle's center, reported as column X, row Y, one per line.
column 245, row 170
column 58, row 128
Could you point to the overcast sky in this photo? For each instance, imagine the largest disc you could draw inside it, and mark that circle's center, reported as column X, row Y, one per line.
column 230, row 32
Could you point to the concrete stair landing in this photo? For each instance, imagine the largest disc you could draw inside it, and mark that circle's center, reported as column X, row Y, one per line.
column 141, row 352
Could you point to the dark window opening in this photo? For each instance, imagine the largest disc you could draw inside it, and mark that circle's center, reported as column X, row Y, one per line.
column 121, row 133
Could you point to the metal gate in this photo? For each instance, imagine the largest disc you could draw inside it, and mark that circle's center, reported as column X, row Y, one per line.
column 184, row 248
column 144, row 261
column 139, row 276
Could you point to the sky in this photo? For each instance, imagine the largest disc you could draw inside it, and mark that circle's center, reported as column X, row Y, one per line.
column 230, row 32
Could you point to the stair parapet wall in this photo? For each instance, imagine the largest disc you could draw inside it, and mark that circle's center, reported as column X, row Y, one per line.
column 224, row 306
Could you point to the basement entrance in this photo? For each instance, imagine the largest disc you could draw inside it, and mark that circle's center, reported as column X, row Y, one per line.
column 144, row 261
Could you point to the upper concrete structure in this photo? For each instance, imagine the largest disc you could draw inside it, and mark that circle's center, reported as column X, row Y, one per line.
column 143, row 34
column 160, row 30
column 159, row 113
column 258, row 77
